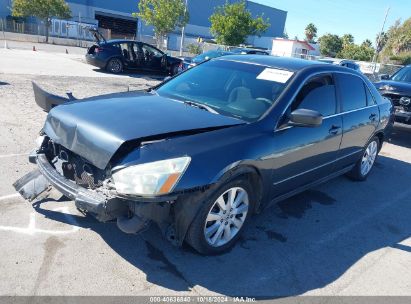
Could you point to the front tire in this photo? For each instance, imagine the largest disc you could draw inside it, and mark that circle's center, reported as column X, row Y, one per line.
column 115, row 66
column 222, row 218
column 365, row 164
column 174, row 70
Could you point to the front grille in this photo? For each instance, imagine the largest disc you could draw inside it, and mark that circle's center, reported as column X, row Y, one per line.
column 75, row 167
column 394, row 98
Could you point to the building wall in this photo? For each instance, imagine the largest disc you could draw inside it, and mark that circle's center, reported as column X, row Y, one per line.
column 5, row 6
column 282, row 48
column 200, row 12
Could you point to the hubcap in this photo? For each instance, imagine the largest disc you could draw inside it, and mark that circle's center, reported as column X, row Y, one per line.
column 369, row 157
column 115, row 66
column 226, row 217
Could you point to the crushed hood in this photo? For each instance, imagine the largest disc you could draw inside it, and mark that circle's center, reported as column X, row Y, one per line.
column 96, row 129
column 398, row 86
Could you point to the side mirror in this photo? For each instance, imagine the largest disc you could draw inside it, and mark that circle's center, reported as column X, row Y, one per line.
column 305, row 118
column 384, row 76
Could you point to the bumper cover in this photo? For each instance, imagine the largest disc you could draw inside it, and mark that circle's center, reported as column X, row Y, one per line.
column 103, row 207
column 96, row 62
column 402, row 115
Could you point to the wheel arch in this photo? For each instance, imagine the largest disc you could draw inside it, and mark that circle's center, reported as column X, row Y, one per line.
column 252, row 173
column 381, row 137
column 114, row 57
column 187, row 207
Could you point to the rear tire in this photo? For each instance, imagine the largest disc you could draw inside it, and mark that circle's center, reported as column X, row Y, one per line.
column 115, row 66
column 365, row 164
column 219, row 223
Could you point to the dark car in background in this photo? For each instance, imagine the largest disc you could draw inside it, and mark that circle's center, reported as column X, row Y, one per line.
column 248, row 51
column 397, row 88
column 115, row 56
column 344, row 62
column 200, row 153
column 191, row 62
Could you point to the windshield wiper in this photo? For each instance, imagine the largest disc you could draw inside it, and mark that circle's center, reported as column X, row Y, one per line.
column 200, row 106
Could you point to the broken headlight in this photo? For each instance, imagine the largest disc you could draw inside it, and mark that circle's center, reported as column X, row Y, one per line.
column 154, row 178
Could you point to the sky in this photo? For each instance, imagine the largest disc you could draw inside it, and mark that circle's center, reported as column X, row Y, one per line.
column 361, row 18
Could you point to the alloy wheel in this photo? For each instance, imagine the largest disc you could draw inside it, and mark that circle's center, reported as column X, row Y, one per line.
column 115, row 66
column 226, row 216
column 368, row 158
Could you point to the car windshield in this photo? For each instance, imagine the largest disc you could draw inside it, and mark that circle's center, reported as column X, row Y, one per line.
column 241, row 90
column 403, row 75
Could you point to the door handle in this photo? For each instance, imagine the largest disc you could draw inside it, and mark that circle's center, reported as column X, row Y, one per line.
column 334, row 129
column 373, row 116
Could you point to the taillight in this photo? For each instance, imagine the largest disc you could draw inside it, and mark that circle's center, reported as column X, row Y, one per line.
column 98, row 50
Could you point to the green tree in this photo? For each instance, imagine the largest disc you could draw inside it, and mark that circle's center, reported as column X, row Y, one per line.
column 398, row 41
column 163, row 15
column 330, row 45
column 42, row 9
column 231, row 24
column 310, row 32
column 367, row 43
column 347, row 39
column 357, row 52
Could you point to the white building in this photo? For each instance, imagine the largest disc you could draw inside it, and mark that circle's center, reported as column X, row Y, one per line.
column 293, row 48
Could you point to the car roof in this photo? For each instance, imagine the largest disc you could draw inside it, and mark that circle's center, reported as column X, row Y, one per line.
column 124, row 41
column 286, row 63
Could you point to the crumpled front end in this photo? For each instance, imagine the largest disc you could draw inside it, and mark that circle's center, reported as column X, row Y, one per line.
column 75, row 178
column 93, row 192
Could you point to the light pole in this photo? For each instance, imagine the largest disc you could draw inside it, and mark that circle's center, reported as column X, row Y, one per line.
column 374, row 60
column 182, row 31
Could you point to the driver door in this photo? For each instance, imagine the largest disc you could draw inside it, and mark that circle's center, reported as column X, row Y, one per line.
column 152, row 57
column 306, row 154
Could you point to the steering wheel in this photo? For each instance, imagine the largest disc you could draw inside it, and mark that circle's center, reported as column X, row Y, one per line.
column 265, row 100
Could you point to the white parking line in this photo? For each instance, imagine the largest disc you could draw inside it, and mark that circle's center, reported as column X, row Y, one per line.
column 13, row 155
column 6, row 197
column 32, row 230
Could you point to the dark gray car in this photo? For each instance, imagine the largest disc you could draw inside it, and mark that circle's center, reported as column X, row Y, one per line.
column 202, row 152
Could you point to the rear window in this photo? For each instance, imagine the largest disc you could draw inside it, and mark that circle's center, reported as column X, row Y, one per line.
column 352, row 91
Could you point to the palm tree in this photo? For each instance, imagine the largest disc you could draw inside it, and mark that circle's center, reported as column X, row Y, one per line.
column 347, row 39
column 310, row 32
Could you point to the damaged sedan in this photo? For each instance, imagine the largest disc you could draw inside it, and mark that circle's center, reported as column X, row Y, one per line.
column 202, row 152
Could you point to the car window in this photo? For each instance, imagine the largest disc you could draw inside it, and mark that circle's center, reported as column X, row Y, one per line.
column 317, row 94
column 352, row 92
column 403, row 75
column 370, row 97
column 150, row 51
column 240, row 90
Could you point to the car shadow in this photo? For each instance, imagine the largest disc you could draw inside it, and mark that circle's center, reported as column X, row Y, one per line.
column 146, row 75
column 304, row 243
column 401, row 135
column 4, row 83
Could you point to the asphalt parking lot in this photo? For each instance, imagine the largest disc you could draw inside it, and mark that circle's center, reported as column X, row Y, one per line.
column 342, row 238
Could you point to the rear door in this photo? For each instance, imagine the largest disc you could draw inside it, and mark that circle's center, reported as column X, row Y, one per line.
column 360, row 115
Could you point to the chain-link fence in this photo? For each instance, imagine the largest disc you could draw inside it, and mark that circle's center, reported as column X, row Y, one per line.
column 22, row 27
